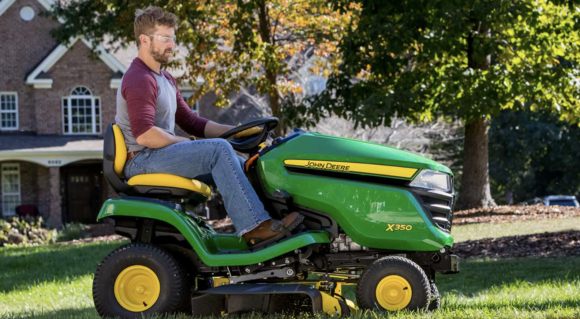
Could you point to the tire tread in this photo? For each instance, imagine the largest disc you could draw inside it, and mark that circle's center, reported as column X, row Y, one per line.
column 368, row 276
column 173, row 268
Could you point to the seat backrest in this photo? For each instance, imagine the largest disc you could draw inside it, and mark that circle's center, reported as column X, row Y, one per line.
column 114, row 158
column 120, row 151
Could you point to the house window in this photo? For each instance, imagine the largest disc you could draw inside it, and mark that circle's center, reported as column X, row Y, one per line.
column 10, row 188
column 8, row 111
column 193, row 105
column 81, row 112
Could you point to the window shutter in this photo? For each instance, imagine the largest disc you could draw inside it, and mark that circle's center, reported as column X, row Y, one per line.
column 97, row 117
column 65, row 116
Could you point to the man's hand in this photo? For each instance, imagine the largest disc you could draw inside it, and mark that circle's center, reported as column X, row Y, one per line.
column 249, row 132
column 213, row 129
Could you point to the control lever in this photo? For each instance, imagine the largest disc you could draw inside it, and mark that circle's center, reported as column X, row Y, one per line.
column 284, row 196
column 277, row 140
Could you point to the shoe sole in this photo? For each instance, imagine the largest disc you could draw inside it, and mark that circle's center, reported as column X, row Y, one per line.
column 290, row 227
column 295, row 223
column 267, row 241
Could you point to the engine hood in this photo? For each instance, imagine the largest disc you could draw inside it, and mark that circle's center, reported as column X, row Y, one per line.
column 319, row 151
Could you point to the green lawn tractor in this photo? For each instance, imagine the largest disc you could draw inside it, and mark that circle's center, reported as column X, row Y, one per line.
column 374, row 216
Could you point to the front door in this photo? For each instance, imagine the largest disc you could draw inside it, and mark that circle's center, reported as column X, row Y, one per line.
column 83, row 198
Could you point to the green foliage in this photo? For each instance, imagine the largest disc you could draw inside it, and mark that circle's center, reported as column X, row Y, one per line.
column 33, row 231
column 533, row 154
column 464, row 59
column 25, row 232
column 467, row 59
column 230, row 44
column 72, row 231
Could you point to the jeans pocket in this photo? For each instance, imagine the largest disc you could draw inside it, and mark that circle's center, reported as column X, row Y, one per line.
column 136, row 169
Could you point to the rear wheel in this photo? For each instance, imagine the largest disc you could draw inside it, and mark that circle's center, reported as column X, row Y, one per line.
column 392, row 284
column 139, row 279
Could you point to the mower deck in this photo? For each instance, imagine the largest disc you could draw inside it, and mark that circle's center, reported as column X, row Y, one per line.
column 267, row 298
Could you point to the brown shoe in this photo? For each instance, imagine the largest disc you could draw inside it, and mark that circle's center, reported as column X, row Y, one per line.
column 272, row 230
column 267, row 232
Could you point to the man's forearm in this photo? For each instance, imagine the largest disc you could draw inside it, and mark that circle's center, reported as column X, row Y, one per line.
column 157, row 138
column 213, row 129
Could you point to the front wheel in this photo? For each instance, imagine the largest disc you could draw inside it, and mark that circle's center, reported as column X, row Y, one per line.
column 392, row 284
column 435, row 298
column 139, row 279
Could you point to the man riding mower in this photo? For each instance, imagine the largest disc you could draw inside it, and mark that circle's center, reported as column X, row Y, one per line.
column 374, row 216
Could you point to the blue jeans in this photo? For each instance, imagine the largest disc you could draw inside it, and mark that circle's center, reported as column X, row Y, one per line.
column 199, row 158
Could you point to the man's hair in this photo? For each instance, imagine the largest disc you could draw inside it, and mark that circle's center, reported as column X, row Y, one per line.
column 146, row 21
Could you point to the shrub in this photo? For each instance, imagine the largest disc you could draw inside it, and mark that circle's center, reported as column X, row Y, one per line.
column 72, row 231
column 25, row 232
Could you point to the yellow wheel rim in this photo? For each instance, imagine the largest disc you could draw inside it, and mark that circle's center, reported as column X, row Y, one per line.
column 137, row 288
column 394, row 293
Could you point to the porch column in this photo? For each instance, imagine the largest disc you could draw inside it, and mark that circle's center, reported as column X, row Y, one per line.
column 55, row 199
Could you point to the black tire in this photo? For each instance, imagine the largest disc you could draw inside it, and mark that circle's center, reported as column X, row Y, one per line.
column 366, row 289
column 174, row 287
column 435, row 304
column 189, row 274
column 344, row 309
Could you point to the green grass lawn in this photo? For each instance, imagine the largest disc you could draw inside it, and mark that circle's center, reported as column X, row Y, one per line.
column 55, row 279
column 55, row 282
column 479, row 231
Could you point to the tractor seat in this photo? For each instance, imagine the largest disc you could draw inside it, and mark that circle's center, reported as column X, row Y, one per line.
column 162, row 186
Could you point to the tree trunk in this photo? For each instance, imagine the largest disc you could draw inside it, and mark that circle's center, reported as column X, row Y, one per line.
column 475, row 191
column 271, row 75
column 275, row 102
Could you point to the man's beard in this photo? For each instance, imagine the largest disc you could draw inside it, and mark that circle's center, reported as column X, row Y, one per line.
column 159, row 56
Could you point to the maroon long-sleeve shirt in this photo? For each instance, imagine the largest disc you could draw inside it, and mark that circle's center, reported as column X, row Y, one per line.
column 146, row 99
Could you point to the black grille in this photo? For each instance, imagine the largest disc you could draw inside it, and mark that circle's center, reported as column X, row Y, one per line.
column 439, row 206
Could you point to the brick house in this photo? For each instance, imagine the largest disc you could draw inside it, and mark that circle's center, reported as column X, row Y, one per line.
column 55, row 103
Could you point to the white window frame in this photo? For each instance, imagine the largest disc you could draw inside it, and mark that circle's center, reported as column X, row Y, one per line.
column 15, row 94
column 4, row 193
column 94, row 123
column 195, row 106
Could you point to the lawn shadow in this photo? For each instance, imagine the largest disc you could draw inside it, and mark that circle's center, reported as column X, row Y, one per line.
column 30, row 266
column 529, row 305
column 88, row 312
column 479, row 275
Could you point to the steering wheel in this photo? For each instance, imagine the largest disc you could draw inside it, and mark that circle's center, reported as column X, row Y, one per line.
column 246, row 144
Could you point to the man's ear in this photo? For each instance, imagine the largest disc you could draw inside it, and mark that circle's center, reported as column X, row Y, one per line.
column 144, row 39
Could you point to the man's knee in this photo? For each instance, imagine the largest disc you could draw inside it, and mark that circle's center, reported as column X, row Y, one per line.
column 225, row 146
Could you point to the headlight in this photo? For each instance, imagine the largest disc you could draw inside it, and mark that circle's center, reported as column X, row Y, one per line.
column 432, row 180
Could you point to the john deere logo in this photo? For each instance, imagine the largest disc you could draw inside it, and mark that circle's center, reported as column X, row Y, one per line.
column 323, row 165
column 374, row 169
